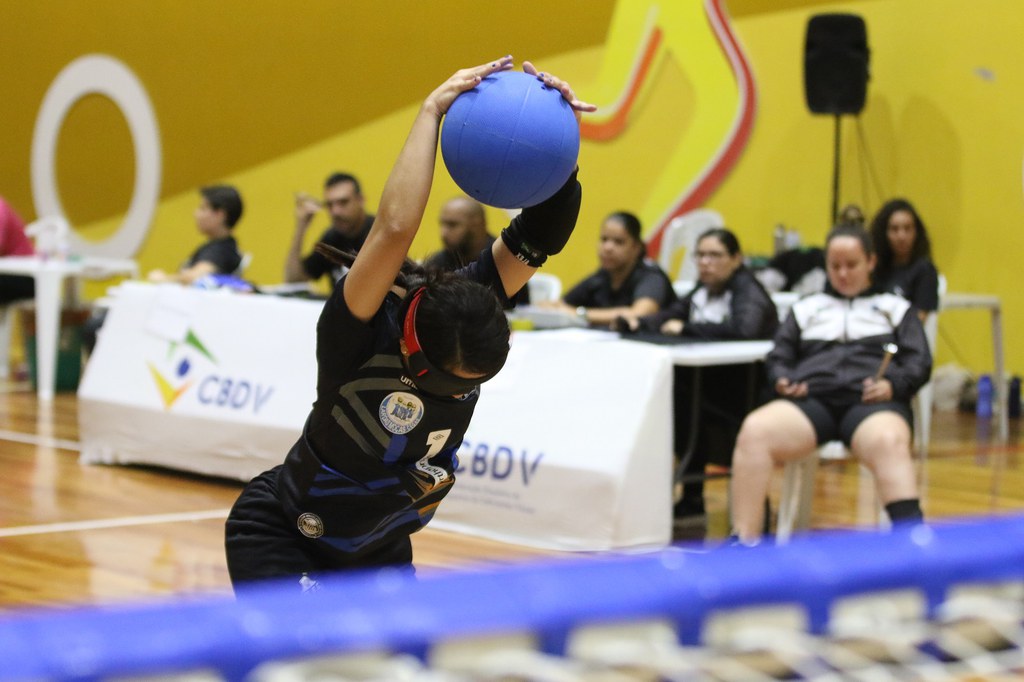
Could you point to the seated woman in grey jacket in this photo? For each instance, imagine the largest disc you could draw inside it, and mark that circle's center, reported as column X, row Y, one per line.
column 727, row 304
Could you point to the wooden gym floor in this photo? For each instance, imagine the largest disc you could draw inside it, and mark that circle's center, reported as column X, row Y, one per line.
column 74, row 534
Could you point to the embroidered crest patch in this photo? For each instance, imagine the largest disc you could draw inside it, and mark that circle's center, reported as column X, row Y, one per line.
column 310, row 525
column 400, row 412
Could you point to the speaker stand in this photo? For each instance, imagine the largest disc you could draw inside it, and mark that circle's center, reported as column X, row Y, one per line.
column 835, row 176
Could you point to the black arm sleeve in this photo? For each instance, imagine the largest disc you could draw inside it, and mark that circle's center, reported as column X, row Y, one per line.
column 543, row 230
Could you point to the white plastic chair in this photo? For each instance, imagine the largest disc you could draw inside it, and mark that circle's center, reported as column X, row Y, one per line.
column 683, row 286
column 544, row 287
column 925, row 398
column 798, row 477
column 681, row 235
column 783, row 301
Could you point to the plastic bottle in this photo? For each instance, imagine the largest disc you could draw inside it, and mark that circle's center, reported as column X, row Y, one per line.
column 792, row 240
column 1013, row 398
column 779, row 238
column 984, row 406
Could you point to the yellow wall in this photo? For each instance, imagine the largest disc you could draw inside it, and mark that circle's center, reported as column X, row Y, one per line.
column 273, row 95
column 940, row 128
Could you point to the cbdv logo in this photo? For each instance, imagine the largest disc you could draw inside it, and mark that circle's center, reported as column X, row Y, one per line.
column 498, row 462
column 191, row 364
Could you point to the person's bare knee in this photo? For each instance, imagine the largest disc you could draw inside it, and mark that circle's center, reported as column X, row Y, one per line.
column 779, row 431
column 881, row 438
column 752, row 433
column 882, row 443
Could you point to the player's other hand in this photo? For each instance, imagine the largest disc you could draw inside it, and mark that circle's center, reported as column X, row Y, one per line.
column 578, row 106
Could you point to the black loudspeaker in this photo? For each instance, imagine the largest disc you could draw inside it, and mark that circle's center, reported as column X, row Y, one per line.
column 836, row 64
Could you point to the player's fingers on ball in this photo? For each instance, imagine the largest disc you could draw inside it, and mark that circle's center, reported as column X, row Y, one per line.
column 465, row 79
column 500, row 64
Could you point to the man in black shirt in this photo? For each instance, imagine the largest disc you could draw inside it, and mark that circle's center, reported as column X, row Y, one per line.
column 343, row 200
column 464, row 234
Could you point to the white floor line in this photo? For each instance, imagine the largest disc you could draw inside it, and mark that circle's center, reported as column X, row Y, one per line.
column 113, row 523
column 40, row 441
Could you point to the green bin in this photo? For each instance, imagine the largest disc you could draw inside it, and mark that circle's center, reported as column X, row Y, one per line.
column 69, row 346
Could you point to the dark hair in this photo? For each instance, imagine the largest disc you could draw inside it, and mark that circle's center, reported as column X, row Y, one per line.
column 630, row 222
column 224, row 198
column 724, row 235
column 460, row 323
column 880, row 224
column 851, row 214
column 338, row 178
column 855, row 231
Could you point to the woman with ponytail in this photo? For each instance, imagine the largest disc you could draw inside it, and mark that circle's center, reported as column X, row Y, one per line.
column 401, row 355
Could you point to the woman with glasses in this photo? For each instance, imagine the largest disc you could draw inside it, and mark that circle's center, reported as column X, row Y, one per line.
column 625, row 284
column 728, row 303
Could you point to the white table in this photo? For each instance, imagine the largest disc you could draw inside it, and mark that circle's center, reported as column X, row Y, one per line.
column 587, row 393
column 705, row 354
column 50, row 275
column 214, row 382
column 570, row 447
column 711, row 354
column 538, row 317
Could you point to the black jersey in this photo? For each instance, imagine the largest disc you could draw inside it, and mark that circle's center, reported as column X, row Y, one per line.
column 376, row 455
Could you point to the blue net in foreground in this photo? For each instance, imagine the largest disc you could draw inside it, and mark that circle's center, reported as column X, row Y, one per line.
column 939, row 602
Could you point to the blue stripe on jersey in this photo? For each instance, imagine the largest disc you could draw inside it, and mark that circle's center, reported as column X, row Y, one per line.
column 327, row 480
column 386, row 525
column 395, row 449
column 354, row 491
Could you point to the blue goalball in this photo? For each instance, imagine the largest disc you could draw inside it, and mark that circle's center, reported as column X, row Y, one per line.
column 510, row 142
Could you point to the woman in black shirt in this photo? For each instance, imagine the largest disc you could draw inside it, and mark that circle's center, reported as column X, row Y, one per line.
column 400, row 359
column 626, row 283
column 905, row 263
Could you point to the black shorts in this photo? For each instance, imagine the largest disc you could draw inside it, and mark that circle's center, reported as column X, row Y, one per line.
column 262, row 543
column 838, row 420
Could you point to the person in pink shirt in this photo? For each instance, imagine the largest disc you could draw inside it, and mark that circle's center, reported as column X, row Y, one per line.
column 14, row 242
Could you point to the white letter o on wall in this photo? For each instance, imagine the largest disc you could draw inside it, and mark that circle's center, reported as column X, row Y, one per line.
column 103, row 75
